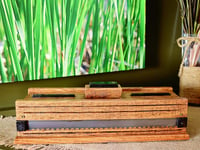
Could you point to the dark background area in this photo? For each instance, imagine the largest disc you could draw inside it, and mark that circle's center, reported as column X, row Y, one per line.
column 163, row 58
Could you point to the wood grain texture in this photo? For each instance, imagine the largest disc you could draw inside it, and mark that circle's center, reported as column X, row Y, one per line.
column 102, row 115
column 78, row 109
column 126, row 107
column 94, row 130
column 60, row 90
column 147, row 89
column 190, row 84
column 102, row 102
column 102, row 134
column 101, row 107
column 94, row 93
column 100, row 139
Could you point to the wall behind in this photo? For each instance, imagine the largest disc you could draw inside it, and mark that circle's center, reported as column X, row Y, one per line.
column 162, row 60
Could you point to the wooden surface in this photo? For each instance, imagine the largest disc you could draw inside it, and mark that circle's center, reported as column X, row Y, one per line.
column 100, row 109
column 81, row 108
column 69, row 132
column 100, row 139
column 103, row 130
column 87, row 91
column 94, row 93
column 190, row 84
column 38, row 90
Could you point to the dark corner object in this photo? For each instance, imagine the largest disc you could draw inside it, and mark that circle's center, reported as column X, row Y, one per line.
column 108, row 84
column 181, row 122
column 150, row 94
column 52, row 95
column 22, row 125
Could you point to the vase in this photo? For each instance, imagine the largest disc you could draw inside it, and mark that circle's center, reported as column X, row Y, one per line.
column 189, row 85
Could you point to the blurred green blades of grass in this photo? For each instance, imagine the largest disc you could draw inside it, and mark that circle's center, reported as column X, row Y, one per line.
column 9, row 31
column 95, row 37
column 51, row 23
column 24, row 61
column 8, row 65
column 79, row 16
column 84, row 38
column 44, row 41
column 2, row 67
column 118, row 8
column 48, row 38
column 127, row 38
column 119, row 24
column 71, row 18
column 109, row 42
column 37, row 31
column 1, row 29
column 142, row 32
column 30, row 38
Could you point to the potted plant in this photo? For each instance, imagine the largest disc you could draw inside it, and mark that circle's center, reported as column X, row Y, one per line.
column 189, row 72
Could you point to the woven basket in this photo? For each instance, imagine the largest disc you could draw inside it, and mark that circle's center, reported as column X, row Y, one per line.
column 190, row 84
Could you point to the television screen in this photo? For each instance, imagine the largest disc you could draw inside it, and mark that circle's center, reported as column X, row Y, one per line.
column 42, row 39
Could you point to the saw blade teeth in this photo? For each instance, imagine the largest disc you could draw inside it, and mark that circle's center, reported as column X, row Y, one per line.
column 103, row 128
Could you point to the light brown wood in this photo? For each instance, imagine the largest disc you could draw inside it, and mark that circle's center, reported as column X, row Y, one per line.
column 99, row 139
column 104, row 131
column 190, row 84
column 102, row 115
column 75, row 109
column 193, row 95
column 101, row 102
column 82, row 134
column 124, row 129
column 147, row 89
column 60, row 90
column 94, row 93
column 124, row 106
